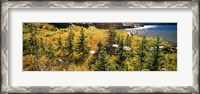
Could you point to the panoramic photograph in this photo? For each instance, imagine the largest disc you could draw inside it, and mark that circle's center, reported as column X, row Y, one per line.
column 107, row 46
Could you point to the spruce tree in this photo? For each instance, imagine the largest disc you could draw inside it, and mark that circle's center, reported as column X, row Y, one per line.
column 111, row 38
column 121, row 50
column 50, row 54
column 26, row 47
column 33, row 41
column 128, row 41
column 42, row 44
column 142, row 52
column 59, row 42
column 34, row 47
column 82, row 47
column 102, row 58
column 100, row 47
column 96, row 55
column 118, row 40
column 127, row 53
column 154, row 66
column 120, row 53
column 70, row 44
column 32, row 33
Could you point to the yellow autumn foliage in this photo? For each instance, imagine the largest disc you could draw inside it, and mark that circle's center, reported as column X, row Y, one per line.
column 50, row 36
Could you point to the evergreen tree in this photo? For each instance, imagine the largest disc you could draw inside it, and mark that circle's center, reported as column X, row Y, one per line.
column 96, row 55
column 121, row 50
column 102, row 58
column 59, row 43
column 154, row 66
column 82, row 46
column 42, row 44
column 111, row 38
column 50, row 54
column 33, row 41
column 120, row 53
column 31, row 31
column 70, row 43
column 118, row 40
column 142, row 52
column 34, row 47
column 26, row 46
column 100, row 47
column 128, row 41
column 128, row 53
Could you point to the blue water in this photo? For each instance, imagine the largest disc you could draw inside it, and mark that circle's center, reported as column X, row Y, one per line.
column 167, row 32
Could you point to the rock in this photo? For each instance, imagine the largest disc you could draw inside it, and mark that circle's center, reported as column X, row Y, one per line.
column 115, row 46
column 60, row 60
column 92, row 52
column 161, row 47
column 126, row 48
column 151, row 48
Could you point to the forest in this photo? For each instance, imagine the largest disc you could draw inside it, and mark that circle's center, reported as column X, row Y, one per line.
column 78, row 48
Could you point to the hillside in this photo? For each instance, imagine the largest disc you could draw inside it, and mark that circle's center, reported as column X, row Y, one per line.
column 77, row 48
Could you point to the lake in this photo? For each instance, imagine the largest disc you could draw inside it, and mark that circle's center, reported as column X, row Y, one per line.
column 167, row 32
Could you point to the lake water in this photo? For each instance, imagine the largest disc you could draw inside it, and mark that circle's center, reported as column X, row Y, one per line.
column 167, row 32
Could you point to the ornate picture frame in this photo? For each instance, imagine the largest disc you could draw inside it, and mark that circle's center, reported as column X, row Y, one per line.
column 6, row 5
